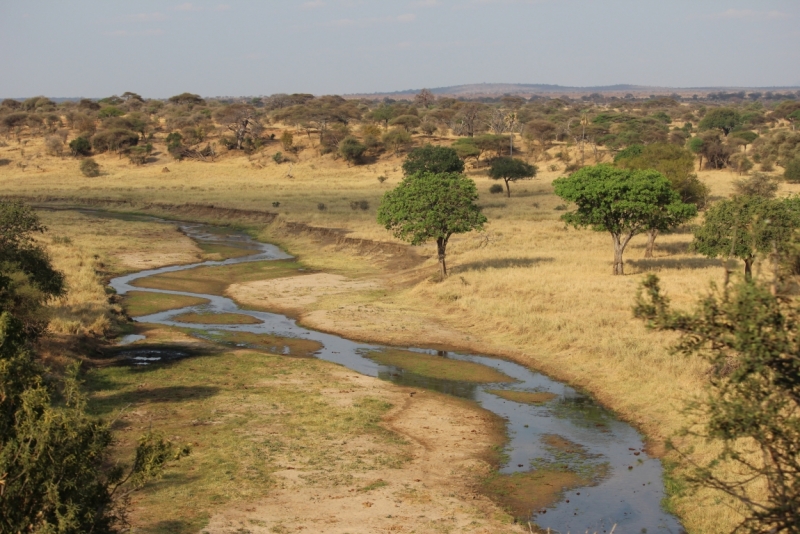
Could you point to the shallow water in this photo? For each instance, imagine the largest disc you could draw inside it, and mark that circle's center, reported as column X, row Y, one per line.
column 627, row 495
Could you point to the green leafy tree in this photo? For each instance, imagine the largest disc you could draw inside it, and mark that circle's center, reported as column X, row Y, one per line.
column 110, row 111
column 759, row 184
column 723, row 119
column 466, row 148
column 674, row 162
column 433, row 159
column 622, row 202
column 407, row 122
column 751, row 340
column 431, row 206
column 743, row 227
column 351, row 149
column 510, row 170
column 56, row 473
column 746, row 137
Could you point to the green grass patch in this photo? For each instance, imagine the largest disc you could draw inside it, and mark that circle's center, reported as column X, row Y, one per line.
column 139, row 303
column 438, row 366
column 286, row 346
column 380, row 483
column 525, row 493
column 214, row 280
column 524, row 397
column 216, row 318
column 246, row 415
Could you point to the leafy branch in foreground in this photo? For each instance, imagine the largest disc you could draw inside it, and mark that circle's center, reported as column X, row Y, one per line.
column 751, row 339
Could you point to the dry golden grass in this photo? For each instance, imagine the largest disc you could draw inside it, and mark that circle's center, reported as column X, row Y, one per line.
column 528, row 288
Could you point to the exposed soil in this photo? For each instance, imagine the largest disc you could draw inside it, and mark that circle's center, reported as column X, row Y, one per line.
column 450, row 442
column 295, row 293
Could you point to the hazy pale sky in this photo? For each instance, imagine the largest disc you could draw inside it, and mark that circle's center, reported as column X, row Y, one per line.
column 161, row 48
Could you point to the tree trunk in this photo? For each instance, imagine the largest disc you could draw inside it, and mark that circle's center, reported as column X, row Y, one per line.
column 651, row 242
column 441, row 245
column 748, row 268
column 700, row 165
column 620, row 242
column 508, row 189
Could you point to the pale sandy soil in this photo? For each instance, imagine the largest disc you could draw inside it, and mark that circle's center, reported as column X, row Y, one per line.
column 295, row 293
column 148, row 260
column 434, row 492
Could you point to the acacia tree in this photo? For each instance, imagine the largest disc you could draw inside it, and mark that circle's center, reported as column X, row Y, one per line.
column 510, row 170
column 723, row 119
column 434, row 159
column 432, row 206
column 745, row 226
column 750, row 339
column 241, row 119
column 622, row 202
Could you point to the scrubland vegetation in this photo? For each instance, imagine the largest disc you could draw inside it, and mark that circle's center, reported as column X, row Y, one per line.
column 526, row 288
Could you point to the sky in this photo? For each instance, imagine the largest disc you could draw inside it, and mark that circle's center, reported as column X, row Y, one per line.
column 94, row 48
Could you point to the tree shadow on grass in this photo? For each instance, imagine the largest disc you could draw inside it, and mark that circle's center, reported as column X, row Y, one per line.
column 499, row 263
column 176, row 526
column 111, row 403
column 659, row 264
column 668, row 248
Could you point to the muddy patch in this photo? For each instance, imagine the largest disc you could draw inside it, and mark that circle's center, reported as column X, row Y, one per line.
column 216, row 318
column 524, row 397
column 140, row 303
column 436, row 366
column 526, row 495
column 285, row 346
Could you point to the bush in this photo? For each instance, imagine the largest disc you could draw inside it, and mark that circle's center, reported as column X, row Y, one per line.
column 359, row 204
column 90, row 168
column 552, row 167
column 287, row 140
column 278, row 157
column 767, row 165
column 382, row 178
column 792, row 171
column 760, row 185
column 114, row 139
column 110, row 111
column 495, row 189
column 80, row 146
column 351, row 149
column 321, row 206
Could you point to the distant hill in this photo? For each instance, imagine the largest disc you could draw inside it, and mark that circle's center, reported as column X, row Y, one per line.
column 529, row 89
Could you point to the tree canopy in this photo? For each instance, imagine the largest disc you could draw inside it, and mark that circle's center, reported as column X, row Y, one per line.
column 431, row 206
column 510, row 170
column 435, row 159
column 723, row 119
column 745, row 226
column 622, row 202
column 749, row 337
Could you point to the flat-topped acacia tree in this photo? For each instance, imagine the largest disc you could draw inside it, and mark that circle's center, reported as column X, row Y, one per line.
column 623, row 202
column 431, row 206
column 511, row 170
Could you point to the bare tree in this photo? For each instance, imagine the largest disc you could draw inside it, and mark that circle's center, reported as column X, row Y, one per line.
column 241, row 119
column 424, row 99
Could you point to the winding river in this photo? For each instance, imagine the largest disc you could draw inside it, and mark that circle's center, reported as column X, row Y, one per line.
column 627, row 488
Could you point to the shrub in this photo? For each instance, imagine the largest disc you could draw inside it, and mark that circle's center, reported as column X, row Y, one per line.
column 287, row 140
column 110, row 111
column 351, row 149
column 54, row 145
column 495, row 189
column 278, row 157
column 792, row 171
column 276, row 204
column 80, row 146
column 90, row 168
column 552, row 168
column 359, row 204
column 382, row 178
column 767, row 165
column 759, row 184
column 321, row 206
column 561, row 207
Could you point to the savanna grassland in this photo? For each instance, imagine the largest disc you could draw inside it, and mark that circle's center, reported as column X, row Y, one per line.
column 528, row 288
